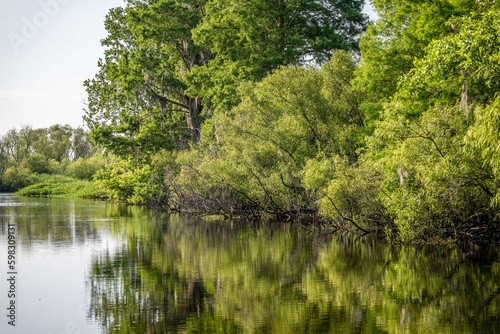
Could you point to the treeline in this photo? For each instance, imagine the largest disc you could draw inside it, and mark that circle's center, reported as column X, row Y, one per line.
column 301, row 109
column 28, row 156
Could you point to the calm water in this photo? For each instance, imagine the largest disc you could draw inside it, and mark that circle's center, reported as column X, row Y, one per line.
column 95, row 267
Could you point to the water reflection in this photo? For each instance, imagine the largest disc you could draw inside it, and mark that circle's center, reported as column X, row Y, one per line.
column 179, row 275
column 54, row 243
column 111, row 268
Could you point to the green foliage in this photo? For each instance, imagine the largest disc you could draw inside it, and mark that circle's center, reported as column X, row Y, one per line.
column 28, row 155
column 427, row 171
column 255, row 154
column 399, row 38
column 461, row 66
column 37, row 163
column 125, row 181
column 137, row 100
column 58, row 167
column 401, row 139
column 81, row 146
column 262, row 35
column 35, row 148
column 250, row 39
column 85, row 168
column 348, row 195
column 429, row 188
column 60, row 186
column 482, row 141
column 15, row 178
column 117, row 180
column 164, row 56
column 18, row 145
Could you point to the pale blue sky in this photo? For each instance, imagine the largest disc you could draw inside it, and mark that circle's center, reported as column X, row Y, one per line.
column 47, row 49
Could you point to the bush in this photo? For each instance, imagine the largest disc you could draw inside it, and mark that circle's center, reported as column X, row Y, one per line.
column 125, row 181
column 85, row 168
column 16, row 178
column 58, row 185
column 56, row 167
column 37, row 163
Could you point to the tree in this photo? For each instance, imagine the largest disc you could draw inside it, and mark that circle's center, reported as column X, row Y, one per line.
column 59, row 140
column 257, row 152
column 400, row 37
column 252, row 38
column 4, row 157
column 80, row 144
column 138, row 98
column 20, row 144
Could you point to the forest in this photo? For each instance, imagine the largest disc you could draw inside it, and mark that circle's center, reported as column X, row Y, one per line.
column 289, row 110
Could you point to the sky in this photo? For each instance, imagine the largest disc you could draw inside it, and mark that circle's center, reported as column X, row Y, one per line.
column 48, row 48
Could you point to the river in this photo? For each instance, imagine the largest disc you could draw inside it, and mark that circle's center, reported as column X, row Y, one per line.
column 85, row 266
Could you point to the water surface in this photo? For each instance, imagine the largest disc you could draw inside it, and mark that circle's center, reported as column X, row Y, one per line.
column 95, row 267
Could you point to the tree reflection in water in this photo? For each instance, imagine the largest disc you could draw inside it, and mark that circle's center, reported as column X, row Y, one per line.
column 181, row 275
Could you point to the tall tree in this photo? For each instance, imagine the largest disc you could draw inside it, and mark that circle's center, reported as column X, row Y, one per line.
column 137, row 101
column 20, row 144
column 4, row 157
column 400, row 37
column 252, row 38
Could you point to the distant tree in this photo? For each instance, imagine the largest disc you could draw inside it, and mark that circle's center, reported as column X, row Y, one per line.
column 59, row 138
column 4, row 157
column 81, row 146
column 19, row 144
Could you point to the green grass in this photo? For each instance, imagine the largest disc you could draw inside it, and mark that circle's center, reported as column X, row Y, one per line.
column 61, row 186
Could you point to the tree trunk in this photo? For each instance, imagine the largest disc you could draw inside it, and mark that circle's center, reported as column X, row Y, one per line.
column 192, row 117
column 464, row 95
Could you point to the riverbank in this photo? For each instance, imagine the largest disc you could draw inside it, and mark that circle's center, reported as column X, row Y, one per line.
column 469, row 237
column 61, row 186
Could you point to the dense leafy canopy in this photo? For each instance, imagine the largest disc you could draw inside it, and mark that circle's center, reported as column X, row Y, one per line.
column 252, row 38
column 147, row 95
column 137, row 102
column 256, row 108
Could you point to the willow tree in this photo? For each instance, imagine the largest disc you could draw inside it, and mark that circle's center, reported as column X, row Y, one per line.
column 137, row 102
column 435, row 146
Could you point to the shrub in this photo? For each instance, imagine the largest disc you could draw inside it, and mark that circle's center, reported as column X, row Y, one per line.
column 37, row 163
column 85, row 168
column 16, row 178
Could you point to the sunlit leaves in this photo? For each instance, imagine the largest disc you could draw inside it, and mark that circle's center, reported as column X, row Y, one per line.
column 252, row 38
column 262, row 146
column 137, row 103
column 484, row 139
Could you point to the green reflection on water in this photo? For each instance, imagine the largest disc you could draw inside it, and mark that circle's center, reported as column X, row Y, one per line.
column 181, row 275
column 174, row 274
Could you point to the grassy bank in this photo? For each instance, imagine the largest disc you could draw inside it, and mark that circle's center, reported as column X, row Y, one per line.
column 61, row 186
